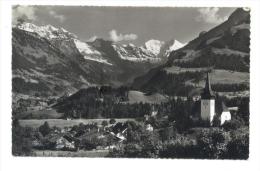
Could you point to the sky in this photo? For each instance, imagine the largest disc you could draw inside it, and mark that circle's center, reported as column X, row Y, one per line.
column 126, row 24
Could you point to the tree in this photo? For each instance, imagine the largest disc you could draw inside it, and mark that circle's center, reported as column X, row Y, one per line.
column 45, row 129
column 104, row 123
column 243, row 110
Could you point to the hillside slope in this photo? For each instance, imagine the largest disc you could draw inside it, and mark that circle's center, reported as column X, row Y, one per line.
column 223, row 51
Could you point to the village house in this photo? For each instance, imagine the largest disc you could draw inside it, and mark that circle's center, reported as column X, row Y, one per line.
column 119, row 131
column 64, row 144
column 149, row 127
column 152, row 114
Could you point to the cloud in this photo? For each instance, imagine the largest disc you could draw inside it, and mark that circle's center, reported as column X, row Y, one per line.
column 210, row 15
column 114, row 36
column 26, row 13
column 61, row 18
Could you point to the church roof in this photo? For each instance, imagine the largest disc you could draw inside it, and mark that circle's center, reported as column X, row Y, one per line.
column 207, row 92
column 224, row 107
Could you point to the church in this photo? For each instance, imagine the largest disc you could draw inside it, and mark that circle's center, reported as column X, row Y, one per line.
column 207, row 104
column 207, row 109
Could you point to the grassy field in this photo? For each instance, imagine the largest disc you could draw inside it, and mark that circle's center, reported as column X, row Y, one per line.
column 80, row 153
column 137, row 97
column 235, row 94
column 61, row 123
column 41, row 114
column 219, row 76
column 176, row 70
column 229, row 77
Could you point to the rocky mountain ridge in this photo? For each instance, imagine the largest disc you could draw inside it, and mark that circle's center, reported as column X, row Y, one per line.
column 51, row 59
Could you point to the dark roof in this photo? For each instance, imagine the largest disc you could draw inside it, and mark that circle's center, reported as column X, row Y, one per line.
column 207, row 91
column 224, row 107
column 119, row 127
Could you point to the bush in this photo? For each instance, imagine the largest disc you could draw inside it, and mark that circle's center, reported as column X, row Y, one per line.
column 181, row 147
column 104, row 123
column 232, row 124
column 133, row 150
column 87, row 144
column 92, row 142
column 238, row 147
column 112, row 121
column 116, row 153
column 243, row 110
column 167, row 133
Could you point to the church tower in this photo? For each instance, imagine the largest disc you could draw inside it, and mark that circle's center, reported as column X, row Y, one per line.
column 207, row 102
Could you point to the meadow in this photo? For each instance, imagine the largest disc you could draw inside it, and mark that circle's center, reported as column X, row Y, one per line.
column 62, row 123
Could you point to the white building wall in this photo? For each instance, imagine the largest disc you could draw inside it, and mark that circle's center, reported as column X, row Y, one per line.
column 212, row 110
column 207, row 109
column 225, row 116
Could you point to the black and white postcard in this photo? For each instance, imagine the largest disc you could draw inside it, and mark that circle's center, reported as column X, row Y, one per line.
column 109, row 81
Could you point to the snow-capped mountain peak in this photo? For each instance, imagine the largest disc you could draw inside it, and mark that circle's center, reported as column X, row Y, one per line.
column 28, row 27
column 161, row 48
column 85, row 48
column 152, row 50
column 48, row 31
column 89, row 52
column 170, row 46
column 50, row 27
column 154, row 46
column 176, row 45
column 131, row 45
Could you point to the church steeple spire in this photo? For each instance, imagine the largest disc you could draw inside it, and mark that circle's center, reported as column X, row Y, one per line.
column 207, row 91
column 207, row 85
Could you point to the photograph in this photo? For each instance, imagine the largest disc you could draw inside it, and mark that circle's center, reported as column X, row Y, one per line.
column 130, row 82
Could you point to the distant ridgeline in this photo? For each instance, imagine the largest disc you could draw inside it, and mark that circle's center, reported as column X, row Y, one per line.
column 100, row 102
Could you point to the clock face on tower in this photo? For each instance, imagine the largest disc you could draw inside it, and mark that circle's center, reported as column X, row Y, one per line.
column 205, row 103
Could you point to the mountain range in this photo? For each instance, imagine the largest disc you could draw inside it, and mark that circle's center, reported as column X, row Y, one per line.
column 54, row 60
